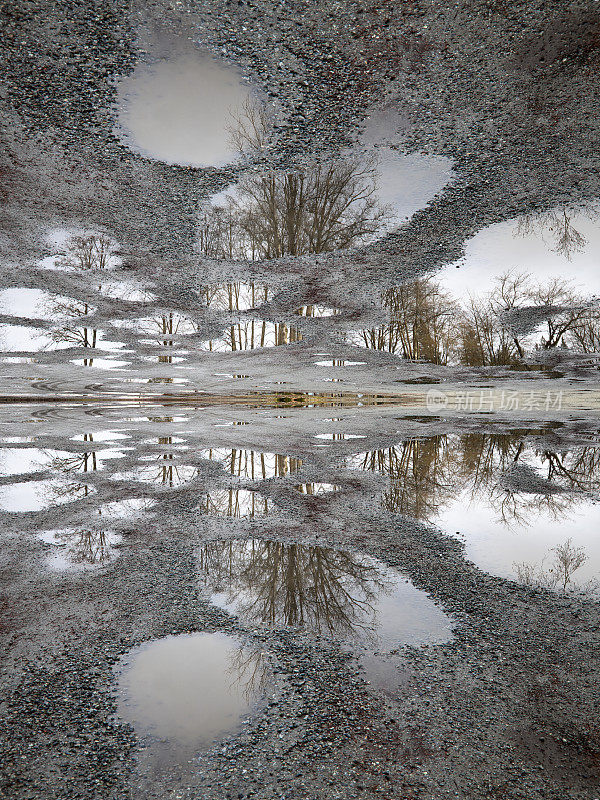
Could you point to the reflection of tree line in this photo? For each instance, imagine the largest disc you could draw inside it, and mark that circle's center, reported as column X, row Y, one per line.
column 294, row 584
column 426, row 474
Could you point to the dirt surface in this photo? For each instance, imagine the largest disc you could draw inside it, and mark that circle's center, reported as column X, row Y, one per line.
column 508, row 707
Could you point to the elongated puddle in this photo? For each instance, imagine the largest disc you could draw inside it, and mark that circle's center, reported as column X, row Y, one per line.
column 371, row 608
column 181, row 693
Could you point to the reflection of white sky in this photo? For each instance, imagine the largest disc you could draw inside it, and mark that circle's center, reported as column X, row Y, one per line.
column 18, row 461
column 36, row 495
column 178, row 109
column 497, row 249
column 21, row 302
column 185, row 688
column 494, row 546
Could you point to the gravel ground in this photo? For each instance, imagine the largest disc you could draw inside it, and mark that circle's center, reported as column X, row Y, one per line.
column 508, row 708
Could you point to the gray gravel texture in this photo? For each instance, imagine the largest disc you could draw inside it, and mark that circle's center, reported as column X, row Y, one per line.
column 508, row 708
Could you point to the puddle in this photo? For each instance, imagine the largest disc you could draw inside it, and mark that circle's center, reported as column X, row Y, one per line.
column 317, row 311
column 336, row 362
column 510, row 502
column 548, row 245
column 252, row 464
column 21, row 460
column 38, row 495
column 126, row 290
column 317, row 489
column 22, row 338
column 352, row 596
column 100, row 436
column 182, row 693
column 252, row 334
column 100, row 363
column 237, row 296
column 161, row 328
column 339, row 437
column 123, row 509
column 238, row 503
column 80, row 547
column 164, row 470
column 180, row 109
column 22, row 302
column 90, row 251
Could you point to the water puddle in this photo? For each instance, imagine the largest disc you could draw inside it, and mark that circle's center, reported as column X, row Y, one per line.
column 338, row 362
column 34, row 303
column 317, row 311
column 352, row 596
column 237, row 503
column 182, row 693
column 163, row 471
column 317, row 489
column 252, row 334
column 130, row 507
column 80, row 547
column 548, row 245
column 21, row 460
column 512, row 503
column 181, row 107
column 23, row 338
column 252, row 464
column 339, row 437
column 38, row 495
column 90, row 251
column 127, row 290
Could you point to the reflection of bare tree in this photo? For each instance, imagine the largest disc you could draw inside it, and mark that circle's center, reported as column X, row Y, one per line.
column 557, row 311
column 253, row 464
column 420, row 325
column 427, row 474
column 83, row 253
column 420, row 473
column 566, row 560
column 236, row 503
column 249, row 669
column 566, row 239
column 280, row 584
column 325, row 207
column 86, row 545
column 91, row 252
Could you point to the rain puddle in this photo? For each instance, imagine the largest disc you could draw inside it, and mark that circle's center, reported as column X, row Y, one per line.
column 317, row 489
column 124, row 509
column 181, row 106
column 512, row 504
column 23, row 338
column 35, row 303
column 80, row 547
column 89, row 251
column 237, row 503
column 252, row 464
column 182, row 693
column 251, row 334
column 360, row 600
column 21, row 460
column 127, row 290
column 548, row 245
column 38, row 495
column 163, row 471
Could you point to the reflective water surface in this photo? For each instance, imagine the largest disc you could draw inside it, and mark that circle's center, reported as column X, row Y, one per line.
column 180, row 693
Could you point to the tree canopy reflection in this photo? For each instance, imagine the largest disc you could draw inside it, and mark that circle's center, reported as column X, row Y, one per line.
column 294, row 584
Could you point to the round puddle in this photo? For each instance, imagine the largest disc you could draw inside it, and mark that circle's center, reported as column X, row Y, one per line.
column 185, row 691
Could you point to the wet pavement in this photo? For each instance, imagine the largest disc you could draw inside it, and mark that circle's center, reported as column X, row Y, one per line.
column 299, row 397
